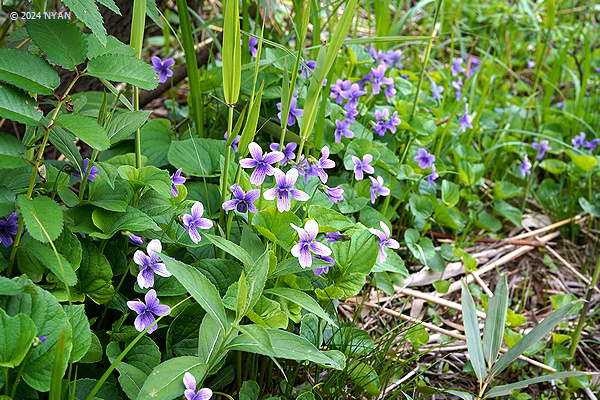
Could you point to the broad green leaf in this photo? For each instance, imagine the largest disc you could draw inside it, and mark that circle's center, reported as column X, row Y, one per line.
column 87, row 129
column 18, row 106
column 120, row 68
column 584, row 162
column 508, row 211
column 450, row 193
column 166, row 380
column 60, row 40
column 112, row 222
column 417, row 335
column 182, row 335
column 28, row 72
column 198, row 157
column 275, row 226
column 493, row 328
column 420, row 206
column 82, row 335
column 505, row 390
column 95, row 351
column 310, row 329
column 68, row 245
column 593, row 209
column 364, row 376
column 58, row 265
column 115, row 198
column 113, row 46
column 157, row 179
column 12, row 152
column 198, row 285
column 441, row 286
column 210, row 338
column 222, row 273
column 302, row 299
column 16, row 335
column 95, row 274
column 10, row 287
column 232, row 53
column 232, row 249
column 50, row 319
column 157, row 137
column 268, row 314
column 534, row 336
column 43, row 217
column 131, row 379
column 63, row 141
column 554, row 166
column 249, row 391
column 256, row 279
column 471, row 325
column 329, row 219
column 125, row 124
column 87, row 12
column 108, row 391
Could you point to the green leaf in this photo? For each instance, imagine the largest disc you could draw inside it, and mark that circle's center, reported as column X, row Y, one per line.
column 157, row 136
column 82, row 335
column 43, row 217
column 60, row 40
column 16, row 335
column 50, row 319
column 593, row 209
column 442, row 286
column 505, row 390
column 55, row 262
column 108, row 391
column 242, row 294
column 12, row 152
column 365, row 376
column 554, row 166
column 157, row 179
column 302, row 299
column 68, row 245
column 221, row 273
column 87, row 12
column 232, row 53
column 534, row 336
column 10, row 287
column 210, row 338
column 251, row 122
column 256, row 279
column 584, row 162
column 249, row 391
column 493, row 329
column 232, row 249
column 182, row 335
column 57, row 369
column 87, row 129
column 18, row 106
column 28, row 72
column 120, row 68
column 417, row 335
column 198, row 285
column 112, row 222
column 198, row 157
column 329, row 219
column 63, row 141
column 471, row 325
column 125, row 124
column 166, row 380
column 420, row 206
column 450, row 193
column 275, row 226
column 115, row 198
column 310, row 329
column 508, row 211
column 95, row 274
column 95, row 351
column 110, row 4
column 113, row 46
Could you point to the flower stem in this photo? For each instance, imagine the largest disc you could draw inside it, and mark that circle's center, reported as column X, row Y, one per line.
column 528, row 186
column 225, row 173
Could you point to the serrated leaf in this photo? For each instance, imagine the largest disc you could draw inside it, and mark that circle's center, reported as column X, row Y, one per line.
column 113, row 46
column 60, row 40
column 112, row 222
column 87, row 12
column 110, row 4
column 95, row 274
column 43, row 217
column 87, row 129
column 157, row 179
column 125, row 124
column 12, row 152
column 27, row 71
column 57, row 264
column 275, row 226
column 17, row 106
column 158, row 137
column 471, row 325
column 16, row 335
column 82, row 335
column 183, row 332
column 166, row 380
column 120, row 68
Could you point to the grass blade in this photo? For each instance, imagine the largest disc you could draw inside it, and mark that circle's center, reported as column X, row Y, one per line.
column 57, row 367
column 493, row 330
column 504, row 390
column 232, row 52
column 530, row 339
column 472, row 332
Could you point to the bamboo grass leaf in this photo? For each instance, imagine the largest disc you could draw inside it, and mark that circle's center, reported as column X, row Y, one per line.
column 232, row 62
column 504, row 390
column 472, row 332
column 493, row 330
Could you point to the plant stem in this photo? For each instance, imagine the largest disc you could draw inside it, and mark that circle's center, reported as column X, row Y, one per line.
column 138, row 21
column 528, row 186
column 18, row 378
column 584, row 310
column 225, row 173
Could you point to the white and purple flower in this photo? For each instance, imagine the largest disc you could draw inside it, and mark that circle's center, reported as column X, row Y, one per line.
column 262, row 165
column 525, row 168
column 190, row 388
column 195, row 221
column 288, row 151
column 176, row 179
column 360, row 167
column 285, row 189
column 146, row 312
column 384, row 240
column 149, row 264
column 242, row 201
column 466, row 119
column 162, row 68
column 307, row 244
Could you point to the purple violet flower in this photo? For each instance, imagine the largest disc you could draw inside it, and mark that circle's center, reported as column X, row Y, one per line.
column 252, row 42
column 598, row 70
column 393, row 58
column 530, row 64
column 525, row 168
column 162, row 68
column 194, row 222
column 325, row 269
column 377, row 188
column 424, row 159
column 176, row 179
column 334, row 237
column 384, row 240
column 339, row 90
column 285, row 189
column 379, row 79
column 542, row 147
column 149, row 264
column 560, row 105
column 294, row 112
column 466, row 119
column 351, row 113
column 578, row 140
column 457, row 85
column 436, row 91
column 190, row 389
column 146, row 312
column 307, row 244
column 362, row 166
column 335, row 194
column 385, row 122
column 352, row 95
column 288, row 151
column 457, row 67
column 431, row 178
column 342, row 130
column 91, row 175
column 262, row 164
column 8, row 228
column 242, row 201
column 390, row 92
column 42, row 339
column 311, row 64
column 133, row 238
column 591, row 145
column 234, row 143
column 323, row 163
